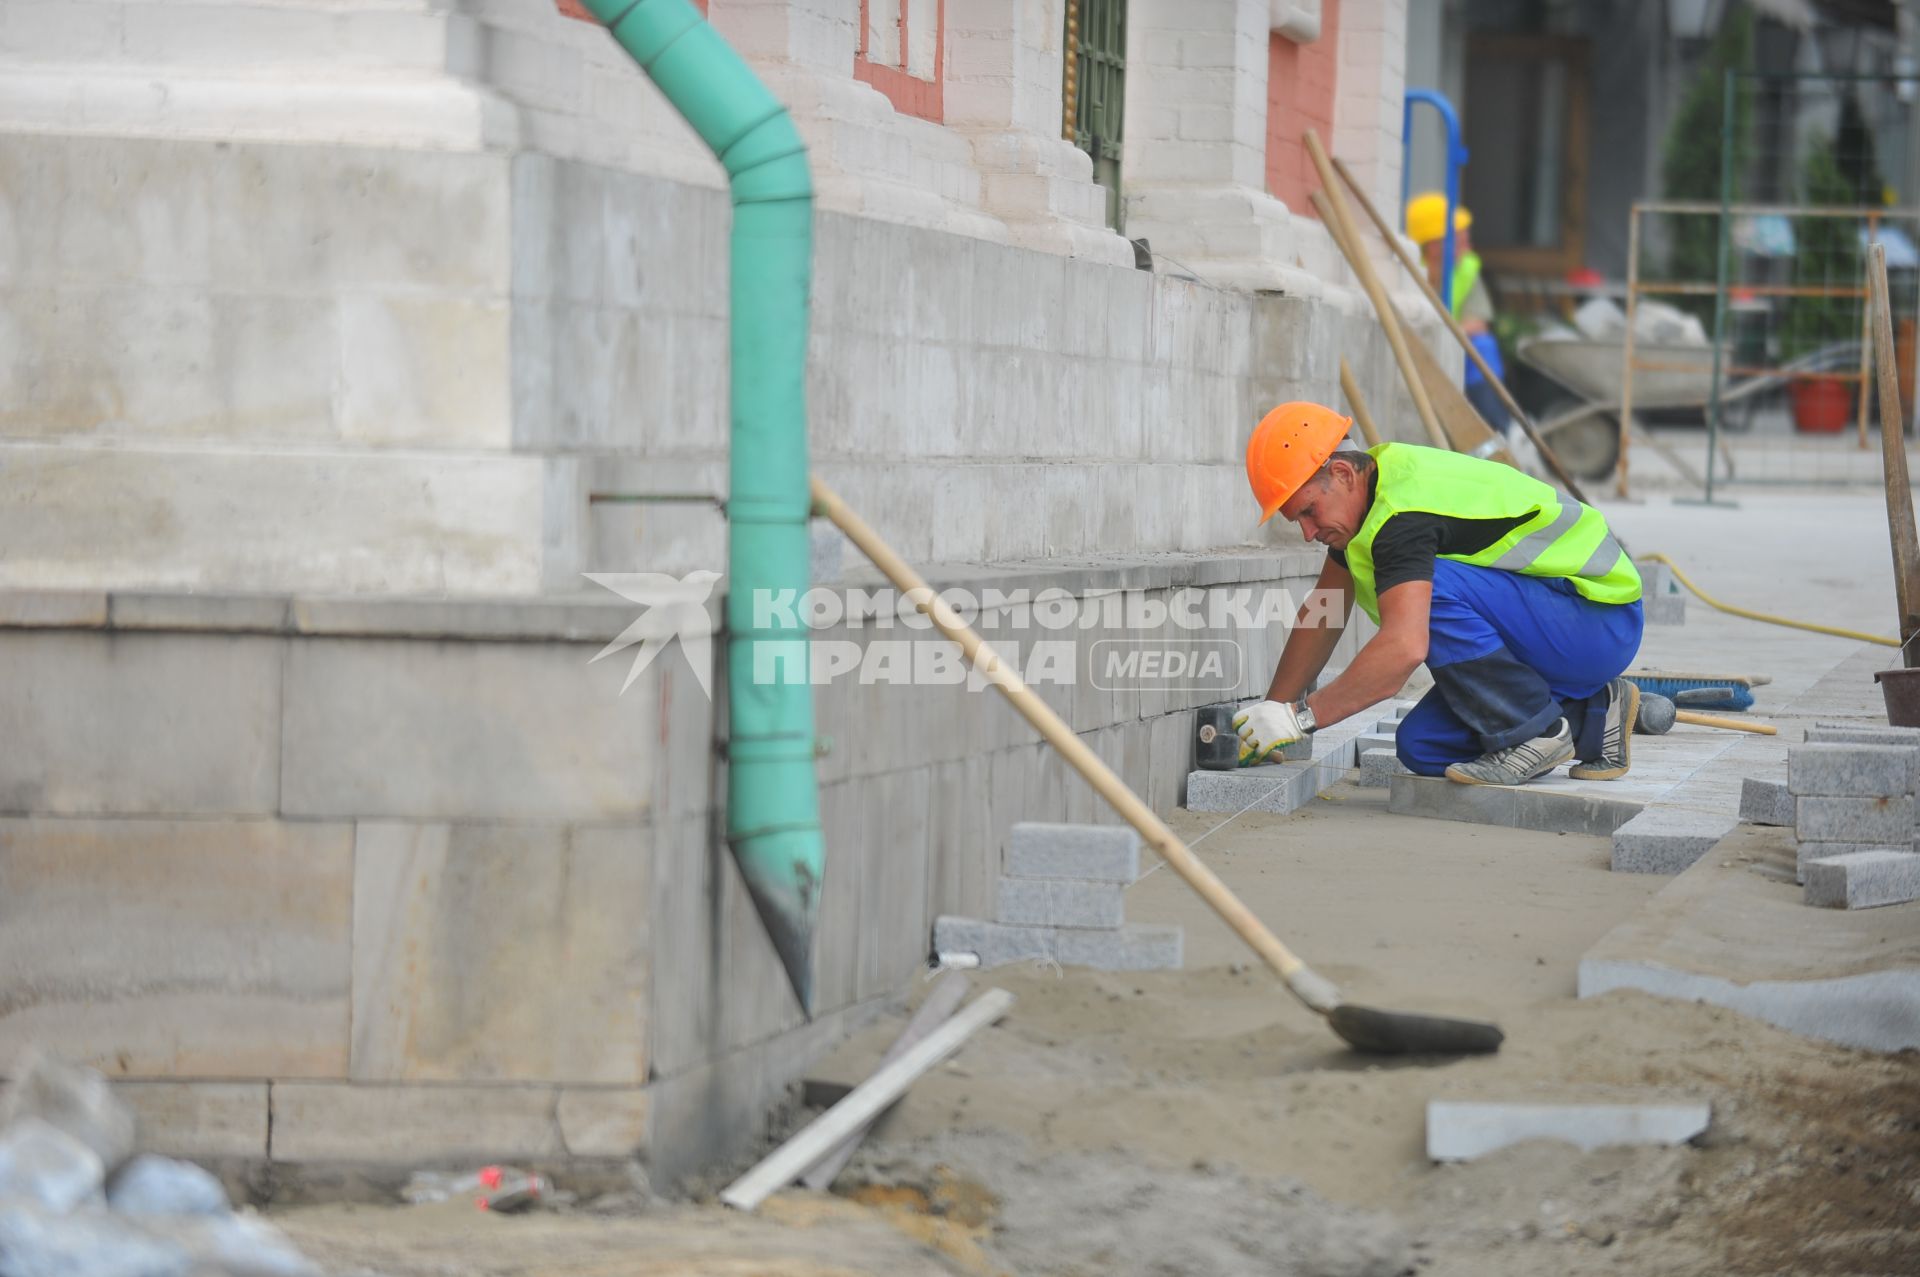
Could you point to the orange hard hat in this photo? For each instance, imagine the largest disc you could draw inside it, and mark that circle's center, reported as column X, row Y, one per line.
column 1288, row 446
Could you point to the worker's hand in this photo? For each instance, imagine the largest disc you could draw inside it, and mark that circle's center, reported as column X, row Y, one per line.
column 1264, row 728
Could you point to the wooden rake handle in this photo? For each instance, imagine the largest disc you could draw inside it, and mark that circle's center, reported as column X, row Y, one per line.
column 1316, row 992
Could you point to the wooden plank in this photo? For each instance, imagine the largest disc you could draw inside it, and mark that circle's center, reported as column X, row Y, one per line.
column 1358, row 404
column 1893, row 454
column 944, row 999
column 822, row 1135
column 1331, row 208
column 1466, row 430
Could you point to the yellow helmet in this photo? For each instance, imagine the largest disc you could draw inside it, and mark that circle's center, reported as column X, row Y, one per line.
column 1427, row 214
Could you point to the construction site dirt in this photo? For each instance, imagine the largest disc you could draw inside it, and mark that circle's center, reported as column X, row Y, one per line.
column 1200, row 1121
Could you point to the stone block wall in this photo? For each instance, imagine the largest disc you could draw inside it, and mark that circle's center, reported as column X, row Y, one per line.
column 412, row 880
column 263, row 368
column 324, row 836
column 180, row 952
column 336, row 856
column 1042, row 405
column 377, row 371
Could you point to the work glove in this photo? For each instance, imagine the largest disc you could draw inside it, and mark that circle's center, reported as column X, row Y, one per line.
column 1265, row 728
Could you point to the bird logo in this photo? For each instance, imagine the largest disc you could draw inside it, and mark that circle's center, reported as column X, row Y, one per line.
column 675, row 608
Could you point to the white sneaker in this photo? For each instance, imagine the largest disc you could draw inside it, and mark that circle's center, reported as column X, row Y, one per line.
column 1517, row 764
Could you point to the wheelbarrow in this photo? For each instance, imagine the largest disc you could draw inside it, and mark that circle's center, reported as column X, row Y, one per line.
column 1584, row 431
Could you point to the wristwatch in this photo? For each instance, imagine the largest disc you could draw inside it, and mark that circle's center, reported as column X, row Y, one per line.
column 1307, row 721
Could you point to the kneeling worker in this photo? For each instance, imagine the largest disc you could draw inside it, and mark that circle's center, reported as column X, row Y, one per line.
column 1518, row 600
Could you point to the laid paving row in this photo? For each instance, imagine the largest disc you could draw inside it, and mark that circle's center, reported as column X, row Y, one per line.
column 1686, row 789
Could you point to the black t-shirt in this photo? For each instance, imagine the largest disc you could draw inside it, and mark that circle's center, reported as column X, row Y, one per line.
column 1406, row 545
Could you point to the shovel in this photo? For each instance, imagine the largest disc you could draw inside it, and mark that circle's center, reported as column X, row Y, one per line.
column 1364, row 1028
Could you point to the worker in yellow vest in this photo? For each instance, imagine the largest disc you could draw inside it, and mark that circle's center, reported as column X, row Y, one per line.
column 1518, row 600
column 1471, row 303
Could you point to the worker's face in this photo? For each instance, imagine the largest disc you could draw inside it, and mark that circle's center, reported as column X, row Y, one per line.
column 1332, row 508
column 1433, row 251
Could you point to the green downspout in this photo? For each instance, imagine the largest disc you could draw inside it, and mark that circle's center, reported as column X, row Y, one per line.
column 773, row 805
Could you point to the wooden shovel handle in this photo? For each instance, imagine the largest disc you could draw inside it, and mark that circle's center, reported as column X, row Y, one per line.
column 1166, row 844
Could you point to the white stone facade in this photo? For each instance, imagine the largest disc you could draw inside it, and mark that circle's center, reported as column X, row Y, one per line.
column 376, row 295
column 509, row 74
column 305, row 301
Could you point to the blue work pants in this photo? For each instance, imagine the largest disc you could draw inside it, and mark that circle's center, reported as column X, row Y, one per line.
column 1510, row 655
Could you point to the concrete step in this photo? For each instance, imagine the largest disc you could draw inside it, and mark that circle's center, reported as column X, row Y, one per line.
column 1863, row 880
column 994, row 943
column 1086, row 853
column 1272, row 787
column 1806, row 852
column 1140, row 947
column 1060, row 902
column 1765, row 802
column 1853, row 819
column 1665, row 840
column 1835, row 769
column 1378, row 767
column 1553, row 811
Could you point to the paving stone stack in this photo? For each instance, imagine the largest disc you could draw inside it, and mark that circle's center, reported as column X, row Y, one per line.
column 1062, row 898
column 1853, row 791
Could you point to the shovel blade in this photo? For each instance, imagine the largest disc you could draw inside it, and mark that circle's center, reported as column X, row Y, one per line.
column 1378, row 1032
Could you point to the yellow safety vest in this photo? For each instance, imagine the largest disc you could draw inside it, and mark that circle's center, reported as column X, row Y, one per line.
column 1466, row 273
column 1559, row 538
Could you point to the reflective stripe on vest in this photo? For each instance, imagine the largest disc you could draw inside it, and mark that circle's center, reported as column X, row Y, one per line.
column 1560, row 537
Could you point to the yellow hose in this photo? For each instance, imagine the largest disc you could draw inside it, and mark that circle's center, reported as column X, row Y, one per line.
column 1712, row 602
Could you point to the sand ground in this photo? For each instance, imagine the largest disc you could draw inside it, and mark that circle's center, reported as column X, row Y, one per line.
column 1200, row 1121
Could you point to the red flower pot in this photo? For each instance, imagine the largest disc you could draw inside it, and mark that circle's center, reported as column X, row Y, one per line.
column 1821, row 405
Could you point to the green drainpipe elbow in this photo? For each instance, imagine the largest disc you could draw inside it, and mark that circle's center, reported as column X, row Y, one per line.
column 773, row 805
